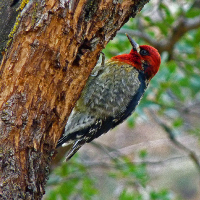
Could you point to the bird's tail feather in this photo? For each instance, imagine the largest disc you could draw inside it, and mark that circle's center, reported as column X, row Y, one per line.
column 76, row 146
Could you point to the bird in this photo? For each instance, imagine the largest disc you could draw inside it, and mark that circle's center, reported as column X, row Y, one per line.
column 111, row 94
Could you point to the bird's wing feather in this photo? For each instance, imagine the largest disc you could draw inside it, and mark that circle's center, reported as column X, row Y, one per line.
column 113, row 89
column 76, row 122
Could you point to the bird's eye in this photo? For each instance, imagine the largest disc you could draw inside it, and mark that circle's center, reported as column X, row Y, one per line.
column 144, row 52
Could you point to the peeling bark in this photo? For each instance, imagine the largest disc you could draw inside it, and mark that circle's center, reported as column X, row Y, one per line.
column 55, row 47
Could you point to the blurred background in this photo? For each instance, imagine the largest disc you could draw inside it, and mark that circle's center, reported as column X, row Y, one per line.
column 154, row 155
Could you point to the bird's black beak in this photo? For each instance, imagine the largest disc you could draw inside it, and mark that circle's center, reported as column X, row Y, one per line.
column 133, row 43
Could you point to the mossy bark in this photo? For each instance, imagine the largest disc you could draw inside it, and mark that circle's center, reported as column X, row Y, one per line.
column 46, row 65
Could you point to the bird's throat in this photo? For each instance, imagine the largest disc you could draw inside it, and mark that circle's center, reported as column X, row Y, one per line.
column 130, row 59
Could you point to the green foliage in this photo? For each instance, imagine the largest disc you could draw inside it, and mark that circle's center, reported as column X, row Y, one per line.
column 70, row 180
column 131, row 122
column 126, row 169
column 161, row 195
column 76, row 179
column 125, row 195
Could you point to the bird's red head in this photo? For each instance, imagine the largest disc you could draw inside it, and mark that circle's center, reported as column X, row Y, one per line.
column 144, row 57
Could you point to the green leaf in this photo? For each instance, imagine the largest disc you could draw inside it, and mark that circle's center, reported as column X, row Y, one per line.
column 178, row 122
column 131, row 122
column 175, row 88
column 143, row 153
column 194, row 12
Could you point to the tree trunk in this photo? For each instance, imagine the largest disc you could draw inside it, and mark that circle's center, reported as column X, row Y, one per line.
column 54, row 47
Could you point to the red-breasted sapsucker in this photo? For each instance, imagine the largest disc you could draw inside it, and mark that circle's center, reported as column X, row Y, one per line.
column 111, row 94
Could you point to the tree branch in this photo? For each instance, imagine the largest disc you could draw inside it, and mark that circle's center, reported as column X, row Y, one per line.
column 173, row 139
column 179, row 28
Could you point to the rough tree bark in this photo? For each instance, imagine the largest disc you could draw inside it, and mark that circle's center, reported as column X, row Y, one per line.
column 8, row 16
column 55, row 45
